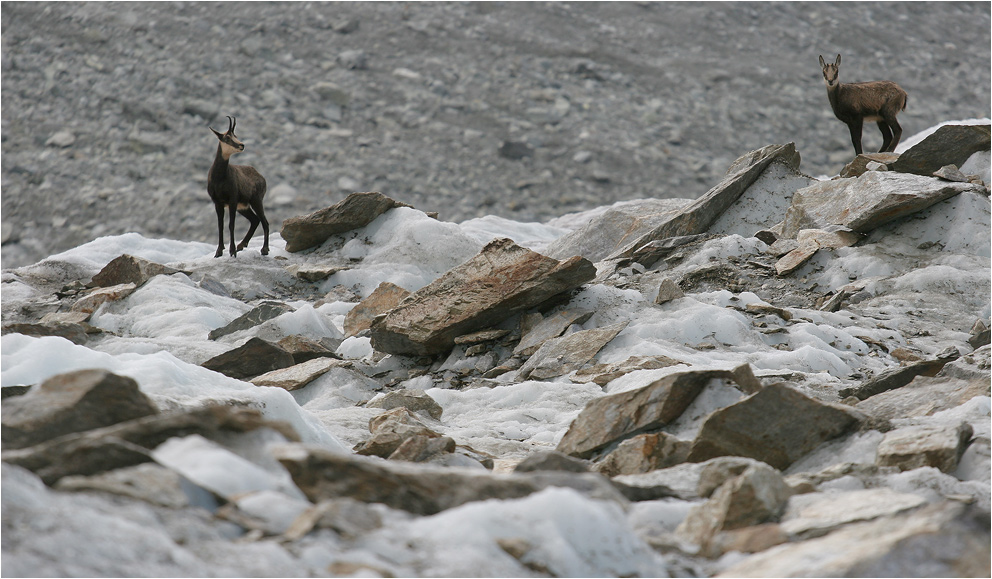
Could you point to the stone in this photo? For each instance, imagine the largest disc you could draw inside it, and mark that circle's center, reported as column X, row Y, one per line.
column 314, row 273
column 815, row 514
column 951, row 173
column 147, row 482
column 93, row 299
column 603, row 374
column 941, row 540
column 331, row 92
column 481, row 337
column 422, row 489
column 127, row 269
column 895, row 378
column 303, row 349
column 515, row 150
column 72, row 402
column 697, row 216
column 980, row 335
column 559, row 356
column 834, row 237
column 263, row 312
column 753, row 539
column 551, row 460
column 298, row 375
column 613, row 418
column 353, row 59
column 383, row 298
column 768, row 309
column 347, row 517
column 859, row 166
column 390, row 429
column 75, row 333
column 502, row 280
column 130, row 443
column 782, row 246
column 253, row 358
column 411, row 399
column 763, row 203
column 620, row 224
column 649, row 253
column 777, row 425
column 61, row 139
column 550, row 327
column 719, row 470
column 924, row 396
column 420, row 448
column 948, row 145
column 668, row 291
column 867, row 202
column 356, row 210
column 918, row 446
column 796, row 258
column 644, row 453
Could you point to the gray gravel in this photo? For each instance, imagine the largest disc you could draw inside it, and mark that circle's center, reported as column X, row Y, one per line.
column 524, row 110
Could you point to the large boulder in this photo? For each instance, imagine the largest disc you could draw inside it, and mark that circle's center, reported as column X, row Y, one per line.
column 948, row 145
column 357, row 210
column 502, row 280
column 862, row 204
column 130, row 269
column 253, row 358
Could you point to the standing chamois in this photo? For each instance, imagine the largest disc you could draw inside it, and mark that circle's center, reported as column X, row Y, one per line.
column 238, row 187
column 857, row 102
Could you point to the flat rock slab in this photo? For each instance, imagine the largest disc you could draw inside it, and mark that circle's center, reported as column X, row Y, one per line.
column 357, row 210
column 411, row 399
column 298, row 375
column 603, row 374
column 859, row 165
column 130, row 269
column 72, row 402
column 918, row 446
column 559, row 356
column 867, row 202
column 923, row 397
column 816, row 514
column 613, row 418
column 263, row 312
column 895, row 378
column 92, row 300
column 778, row 425
column 502, row 280
column 383, row 298
column 948, row 145
column 550, row 327
column 253, row 358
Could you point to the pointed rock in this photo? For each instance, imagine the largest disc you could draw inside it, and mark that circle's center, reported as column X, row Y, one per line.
column 130, row 269
column 795, row 259
column 560, row 356
column 390, row 429
column 613, row 418
column 357, row 210
column 778, row 425
column 298, row 375
column 550, row 327
column 948, row 145
column 92, row 300
column 859, row 166
column 603, row 374
column 917, row 446
column 253, row 358
column 668, row 291
column 263, row 312
column 896, row 378
column 411, row 399
column 382, row 299
column 644, row 453
column 502, row 280
column 72, row 402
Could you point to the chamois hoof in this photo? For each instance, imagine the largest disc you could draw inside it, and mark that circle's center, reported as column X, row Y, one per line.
column 265, row 251
column 219, row 253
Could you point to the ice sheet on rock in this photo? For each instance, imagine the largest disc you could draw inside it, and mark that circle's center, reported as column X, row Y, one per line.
column 533, row 236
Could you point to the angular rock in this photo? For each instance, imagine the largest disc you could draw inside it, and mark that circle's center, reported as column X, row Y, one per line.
column 357, row 210
column 130, row 269
column 613, row 418
column 298, row 375
column 253, row 358
column 948, row 145
column 147, row 482
column 422, row 448
column 603, row 374
column 980, row 336
column 859, row 166
column 72, row 402
column 304, row 349
column 698, row 215
column 668, row 291
column 75, row 333
column 92, row 300
column 515, row 150
column 481, row 337
column 719, row 470
column 390, row 429
column 763, row 203
column 816, row 514
column 618, row 225
column 834, row 237
column 649, row 253
column 918, row 446
column 895, row 378
column 503, row 279
column 263, row 312
column 766, row 309
column 382, row 299
column 795, row 259
column 411, row 399
column 347, row 517
column 130, row 443
column 560, row 356
column 941, row 540
column 867, row 202
column 315, row 273
column 422, row 489
column 951, row 173
column 550, row 327
column 551, row 460
column 644, row 453
column 778, row 425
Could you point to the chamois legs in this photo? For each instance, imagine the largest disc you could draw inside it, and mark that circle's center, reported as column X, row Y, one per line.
column 886, row 136
column 255, row 215
column 893, row 125
column 855, row 127
column 220, row 228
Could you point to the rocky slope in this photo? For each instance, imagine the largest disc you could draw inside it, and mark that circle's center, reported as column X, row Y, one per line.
column 522, row 110
column 783, row 377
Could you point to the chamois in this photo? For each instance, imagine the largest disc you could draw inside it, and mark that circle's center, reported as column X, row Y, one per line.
column 238, row 187
column 857, row 102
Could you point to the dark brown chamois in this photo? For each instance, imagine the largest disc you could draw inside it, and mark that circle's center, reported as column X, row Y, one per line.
column 857, row 102
column 239, row 188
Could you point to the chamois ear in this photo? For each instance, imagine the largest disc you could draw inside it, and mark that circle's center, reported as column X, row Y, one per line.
column 837, row 62
column 822, row 63
column 219, row 135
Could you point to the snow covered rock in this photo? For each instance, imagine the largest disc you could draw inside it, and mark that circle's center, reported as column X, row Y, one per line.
column 502, row 280
column 948, row 145
column 356, row 210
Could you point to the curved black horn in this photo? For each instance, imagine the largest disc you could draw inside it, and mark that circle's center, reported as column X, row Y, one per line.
column 230, row 124
column 234, row 123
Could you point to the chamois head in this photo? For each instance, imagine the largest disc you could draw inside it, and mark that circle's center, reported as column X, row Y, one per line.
column 229, row 144
column 830, row 71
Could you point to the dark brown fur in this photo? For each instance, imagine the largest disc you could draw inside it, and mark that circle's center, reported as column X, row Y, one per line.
column 854, row 103
column 240, row 188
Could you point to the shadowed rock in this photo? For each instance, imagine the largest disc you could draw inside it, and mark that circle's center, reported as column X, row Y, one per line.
column 948, row 145
column 919, row 446
column 130, row 269
column 502, row 280
column 253, row 358
column 357, row 210
column 644, row 453
column 411, row 399
column 382, row 299
column 263, row 312
column 560, row 356
column 549, row 328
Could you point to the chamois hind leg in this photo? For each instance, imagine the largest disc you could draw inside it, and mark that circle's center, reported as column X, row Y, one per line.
column 886, row 136
column 253, row 220
column 855, row 127
column 220, row 228
column 896, row 133
column 256, row 206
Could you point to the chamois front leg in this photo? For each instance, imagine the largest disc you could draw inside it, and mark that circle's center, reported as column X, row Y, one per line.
column 855, row 127
column 220, row 228
column 234, row 212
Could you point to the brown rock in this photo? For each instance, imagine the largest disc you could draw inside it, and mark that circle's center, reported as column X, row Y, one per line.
column 644, row 453
column 411, row 399
column 420, row 448
column 668, row 291
column 560, row 356
column 895, row 378
column 795, row 259
column 75, row 333
column 917, row 446
column 859, row 166
column 298, row 375
column 304, row 349
column 923, row 397
column 551, row 460
column 357, row 210
column 548, row 328
column 778, row 425
column 382, row 299
column 130, row 269
column 92, row 300
column 603, row 374
column 72, row 402
column 948, row 145
column 502, row 280
column 390, row 429
column 253, row 358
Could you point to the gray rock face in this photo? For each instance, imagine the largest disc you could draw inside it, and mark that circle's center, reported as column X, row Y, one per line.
column 551, row 460
column 644, row 453
column 262, row 313
column 919, row 446
column 549, row 328
column 778, row 425
column 129, row 269
column 867, row 202
column 559, row 356
column 501, row 280
column 382, row 299
column 253, row 358
column 948, row 145
column 72, row 402
column 618, row 416
column 391, row 429
column 357, row 210
column 924, row 396
column 412, row 400
column 298, row 375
